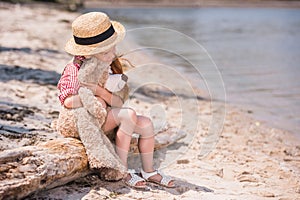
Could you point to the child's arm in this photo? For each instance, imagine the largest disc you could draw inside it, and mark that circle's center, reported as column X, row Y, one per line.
column 73, row 101
column 102, row 102
column 108, row 97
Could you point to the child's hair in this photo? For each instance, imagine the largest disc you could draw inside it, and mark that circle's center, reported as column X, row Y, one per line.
column 118, row 68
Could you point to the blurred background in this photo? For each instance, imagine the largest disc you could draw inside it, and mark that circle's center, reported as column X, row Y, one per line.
column 255, row 45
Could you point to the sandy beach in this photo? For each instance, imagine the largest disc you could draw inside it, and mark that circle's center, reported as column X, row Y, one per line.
column 244, row 160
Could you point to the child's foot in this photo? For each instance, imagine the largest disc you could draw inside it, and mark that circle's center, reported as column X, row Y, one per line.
column 135, row 181
column 158, row 178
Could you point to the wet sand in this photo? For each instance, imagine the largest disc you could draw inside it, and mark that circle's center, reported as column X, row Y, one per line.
column 247, row 160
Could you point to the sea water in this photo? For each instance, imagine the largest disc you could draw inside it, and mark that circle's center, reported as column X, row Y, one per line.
column 255, row 50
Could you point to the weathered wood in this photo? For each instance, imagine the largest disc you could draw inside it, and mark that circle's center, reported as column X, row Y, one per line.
column 25, row 170
column 32, row 168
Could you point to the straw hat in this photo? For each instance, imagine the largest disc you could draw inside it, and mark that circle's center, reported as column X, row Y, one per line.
column 94, row 33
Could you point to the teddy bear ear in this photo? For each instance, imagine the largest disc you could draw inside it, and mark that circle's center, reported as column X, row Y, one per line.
column 124, row 78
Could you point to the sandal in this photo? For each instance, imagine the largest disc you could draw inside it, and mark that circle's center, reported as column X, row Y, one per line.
column 134, row 180
column 163, row 182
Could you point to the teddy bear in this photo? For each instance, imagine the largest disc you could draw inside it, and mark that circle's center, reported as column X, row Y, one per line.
column 85, row 122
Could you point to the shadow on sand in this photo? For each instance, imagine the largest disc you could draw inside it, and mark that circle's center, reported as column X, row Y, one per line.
column 38, row 76
column 91, row 187
column 27, row 50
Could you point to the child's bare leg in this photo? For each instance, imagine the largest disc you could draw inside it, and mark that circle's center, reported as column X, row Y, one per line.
column 145, row 128
column 126, row 119
column 132, row 123
column 129, row 123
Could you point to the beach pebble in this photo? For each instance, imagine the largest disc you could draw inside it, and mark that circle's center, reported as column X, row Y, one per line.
column 220, row 173
column 267, row 194
column 298, row 190
column 183, row 161
column 246, row 178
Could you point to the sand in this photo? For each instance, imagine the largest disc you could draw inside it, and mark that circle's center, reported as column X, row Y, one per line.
column 226, row 154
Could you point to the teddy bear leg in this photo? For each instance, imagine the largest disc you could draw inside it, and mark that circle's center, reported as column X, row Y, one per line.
column 99, row 149
column 110, row 174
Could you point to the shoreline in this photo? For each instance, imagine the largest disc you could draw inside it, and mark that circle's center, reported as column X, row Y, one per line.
column 193, row 4
column 88, row 4
column 250, row 160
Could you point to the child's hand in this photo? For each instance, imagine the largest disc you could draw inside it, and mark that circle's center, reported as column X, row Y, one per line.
column 96, row 89
column 91, row 86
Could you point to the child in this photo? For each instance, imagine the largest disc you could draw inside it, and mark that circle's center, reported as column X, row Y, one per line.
column 95, row 35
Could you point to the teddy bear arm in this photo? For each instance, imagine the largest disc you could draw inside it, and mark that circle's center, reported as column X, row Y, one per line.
column 91, row 103
column 66, row 123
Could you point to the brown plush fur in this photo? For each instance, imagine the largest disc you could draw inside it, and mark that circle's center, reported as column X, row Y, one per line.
column 85, row 122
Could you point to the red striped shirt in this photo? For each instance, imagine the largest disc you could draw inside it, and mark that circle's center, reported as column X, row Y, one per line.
column 68, row 83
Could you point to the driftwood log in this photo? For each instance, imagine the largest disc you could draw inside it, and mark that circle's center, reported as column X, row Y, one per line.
column 32, row 168
column 29, row 169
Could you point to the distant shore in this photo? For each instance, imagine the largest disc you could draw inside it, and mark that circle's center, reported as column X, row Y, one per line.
column 77, row 5
column 193, row 3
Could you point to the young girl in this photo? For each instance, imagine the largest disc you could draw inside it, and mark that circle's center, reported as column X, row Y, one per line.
column 95, row 35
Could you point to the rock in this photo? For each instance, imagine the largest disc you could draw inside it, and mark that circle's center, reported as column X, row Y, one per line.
column 246, row 178
column 168, row 137
column 298, row 190
column 220, row 173
column 183, row 161
column 267, row 194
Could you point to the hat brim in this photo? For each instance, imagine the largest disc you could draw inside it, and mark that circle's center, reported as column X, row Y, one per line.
column 75, row 49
